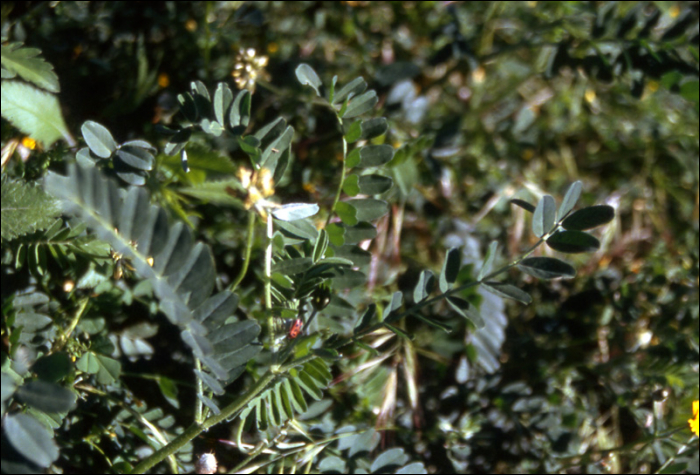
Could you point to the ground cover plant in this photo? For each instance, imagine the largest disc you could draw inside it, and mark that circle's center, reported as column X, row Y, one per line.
column 300, row 237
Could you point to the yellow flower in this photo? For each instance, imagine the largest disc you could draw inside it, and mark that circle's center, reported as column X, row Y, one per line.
column 694, row 421
column 259, row 185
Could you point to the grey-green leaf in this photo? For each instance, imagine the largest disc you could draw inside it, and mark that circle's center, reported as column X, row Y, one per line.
column 375, row 155
column 488, row 261
column 31, row 439
column 99, row 139
column 545, row 216
column 523, row 204
column 450, row 268
column 547, row 268
column 294, row 211
column 466, row 310
column 588, row 218
column 570, row 198
column 368, row 209
column 360, row 104
column 573, row 242
column 307, row 76
column 320, row 246
column 366, row 129
column 351, row 89
column 375, row 184
column 222, row 100
column 136, row 157
column 425, row 285
column 507, row 291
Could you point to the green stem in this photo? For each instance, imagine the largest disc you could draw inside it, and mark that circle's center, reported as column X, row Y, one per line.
column 268, row 286
column 343, row 173
column 444, row 295
column 248, row 251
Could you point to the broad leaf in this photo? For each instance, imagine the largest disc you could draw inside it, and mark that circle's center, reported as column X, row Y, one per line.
column 450, row 268
column 466, row 310
column 360, row 104
column 307, row 76
column 369, row 209
column 294, row 211
column 545, row 216
column 27, row 63
column 573, row 242
column 375, row 184
column 488, row 260
column 351, row 89
column 35, row 112
column 425, row 285
column 547, row 268
column 523, row 204
column 588, row 218
column 507, row 291
column 570, row 199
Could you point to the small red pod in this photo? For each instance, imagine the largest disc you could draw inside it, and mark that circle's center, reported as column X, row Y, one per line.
column 297, row 325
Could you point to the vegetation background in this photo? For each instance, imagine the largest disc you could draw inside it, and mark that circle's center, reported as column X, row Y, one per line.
column 487, row 101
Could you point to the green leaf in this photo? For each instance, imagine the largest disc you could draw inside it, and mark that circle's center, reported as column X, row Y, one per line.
column 366, row 129
column 360, row 232
column 545, row 216
column 400, row 333
column 24, row 61
column 46, row 396
column 302, row 228
column 99, row 139
column 320, row 246
column 25, row 209
column 570, row 199
column 368, row 209
column 336, row 234
column 360, row 104
column 523, row 204
column 294, row 211
column 588, row 218
column 351, row 89
column 573, row 242
column 351, row 187
column 348, row 278
column 425, row 285
column 347, row 213
column 389, row 458
column 136, row 157
column 507, row 291
column 374, row 184
column 239, row 116
column 488, row 260
column 222, row 100
column 466, row 310
column 450, row 269
column 293, row 266
column 307, row 76
column 375, row 155
column 366, row 318
column 31, row 439
column 35, row 112
column 433, row 323
column 353, row 158
column 546, row 268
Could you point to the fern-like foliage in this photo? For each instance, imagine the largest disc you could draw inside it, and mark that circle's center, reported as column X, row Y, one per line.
column 182, row 273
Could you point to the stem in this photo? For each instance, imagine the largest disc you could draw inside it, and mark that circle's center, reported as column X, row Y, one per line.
column 450, row 292
column 248, row 251
column 343, row 173
column 268, row 286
